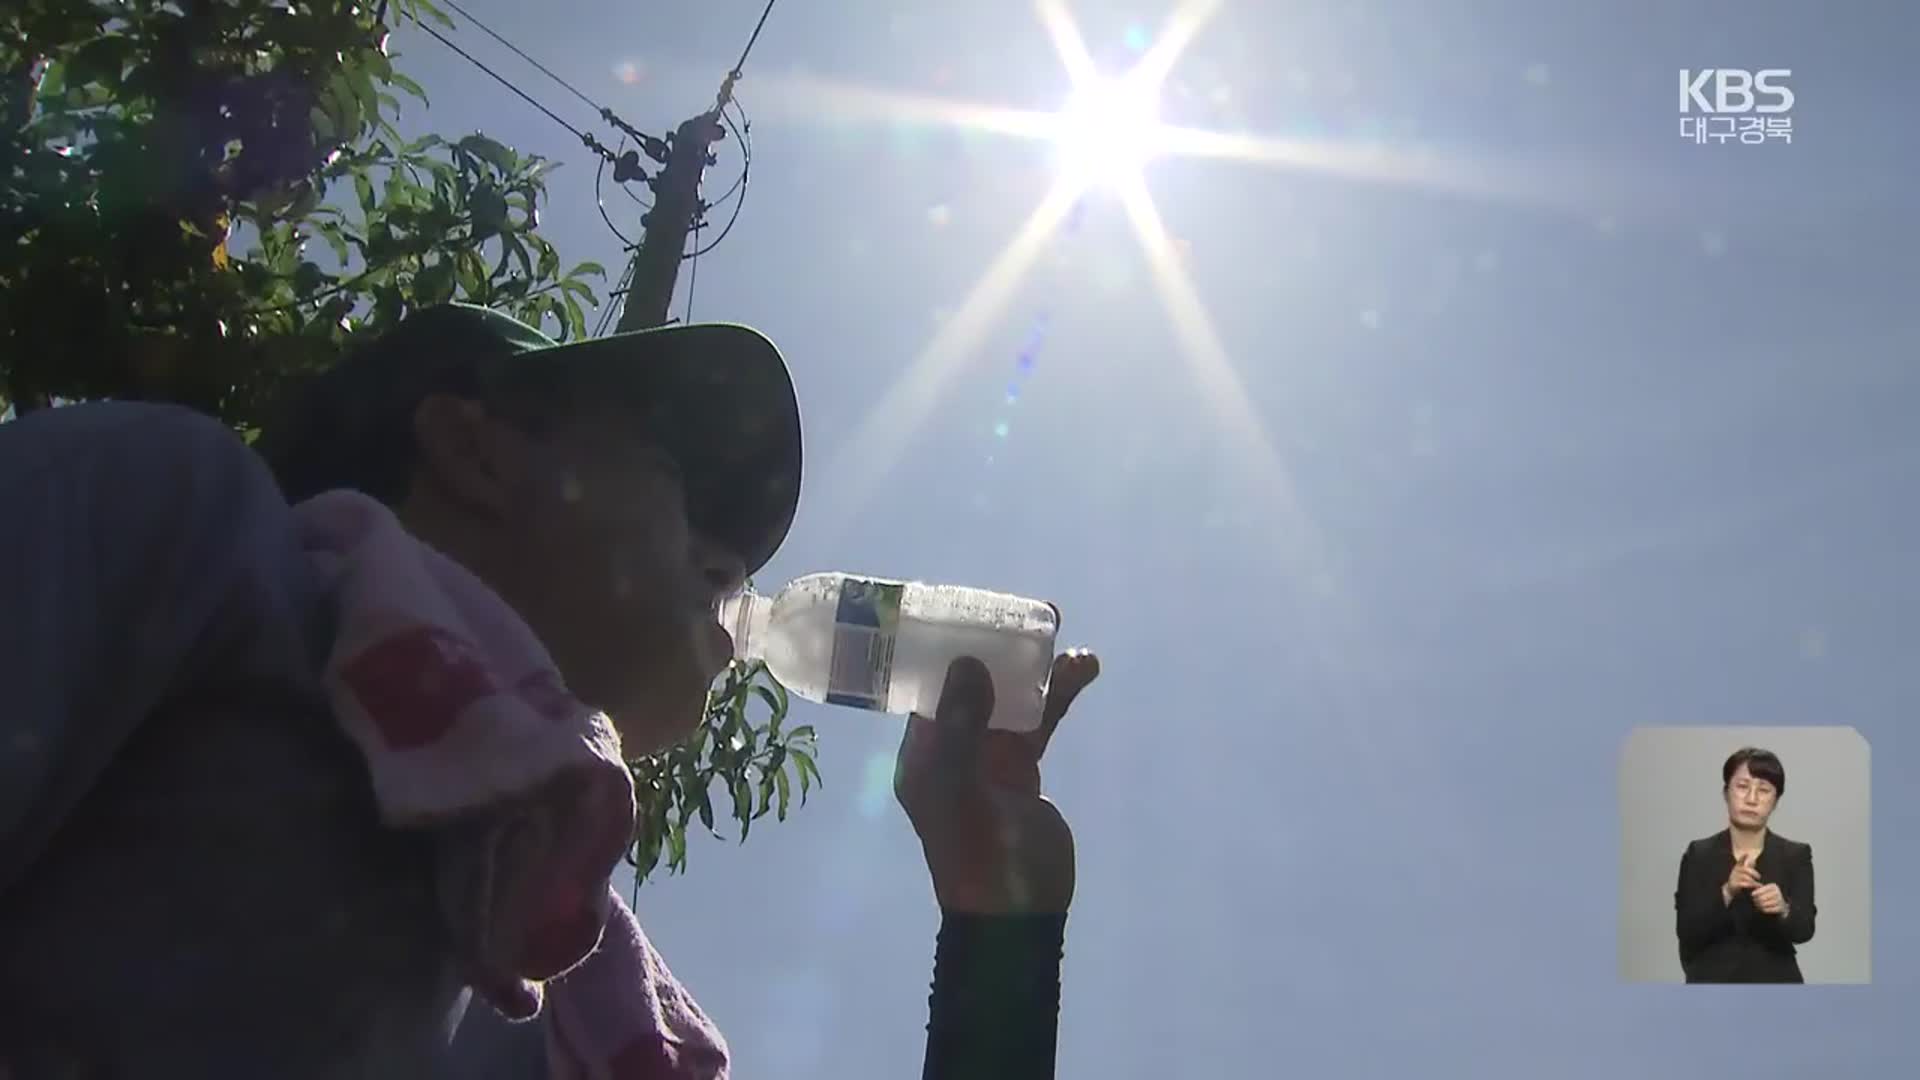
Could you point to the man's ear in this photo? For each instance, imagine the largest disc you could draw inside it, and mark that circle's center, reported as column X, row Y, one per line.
column 467, row 456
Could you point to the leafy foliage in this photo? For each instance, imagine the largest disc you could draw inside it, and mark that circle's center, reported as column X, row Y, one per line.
column 201, row 198
column 748, row 763
column 157, row 136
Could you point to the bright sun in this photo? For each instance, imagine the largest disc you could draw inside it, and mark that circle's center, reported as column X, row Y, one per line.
column 1108, row 130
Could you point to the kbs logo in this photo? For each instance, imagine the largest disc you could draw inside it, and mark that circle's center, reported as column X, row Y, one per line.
column 1735, row 90
column 1721, row 104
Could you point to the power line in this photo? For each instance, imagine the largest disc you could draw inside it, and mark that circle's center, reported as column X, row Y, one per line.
column 726, row 99
column 693, row 275
column 740, row 67
column 624, row 185
column 587, row 140
column 600, row 203
column 653, row 146
column 761, row 25
column 647, row 141
column 746, row 150
column 599, row 197
column 744, row 136
column 612, row 308
column 515, row 49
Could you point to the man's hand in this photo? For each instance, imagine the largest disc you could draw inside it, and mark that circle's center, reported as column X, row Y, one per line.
column 1770, row 900
column 994, row 844
column 1744, row 877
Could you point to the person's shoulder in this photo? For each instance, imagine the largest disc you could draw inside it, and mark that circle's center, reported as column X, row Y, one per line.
column 1706, row 844
column 67, row 433
column 133, row 445
column 115, row 419
column 1794, row 848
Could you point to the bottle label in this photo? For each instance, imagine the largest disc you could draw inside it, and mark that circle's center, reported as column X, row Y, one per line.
column 865, row 626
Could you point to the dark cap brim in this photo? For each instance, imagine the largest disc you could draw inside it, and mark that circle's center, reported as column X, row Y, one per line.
column 720, row 399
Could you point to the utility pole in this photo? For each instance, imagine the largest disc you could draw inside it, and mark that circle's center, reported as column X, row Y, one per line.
column 676, row 204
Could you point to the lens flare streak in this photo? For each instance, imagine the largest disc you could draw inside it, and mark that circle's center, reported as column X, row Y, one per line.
column 1028, row 358
column 1213, row 371
column 867, row 454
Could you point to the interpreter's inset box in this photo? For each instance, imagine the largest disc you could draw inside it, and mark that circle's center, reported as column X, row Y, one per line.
column 1744, row 855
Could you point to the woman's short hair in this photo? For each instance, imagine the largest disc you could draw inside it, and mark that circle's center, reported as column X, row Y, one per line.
column 1761, row 765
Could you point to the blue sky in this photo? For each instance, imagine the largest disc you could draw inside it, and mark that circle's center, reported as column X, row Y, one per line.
column 1612, row 435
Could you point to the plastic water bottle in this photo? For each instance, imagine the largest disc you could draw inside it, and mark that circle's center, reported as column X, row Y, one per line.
column 840, row 639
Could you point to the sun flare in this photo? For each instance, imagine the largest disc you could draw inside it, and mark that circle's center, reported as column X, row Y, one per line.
column 1108, row 130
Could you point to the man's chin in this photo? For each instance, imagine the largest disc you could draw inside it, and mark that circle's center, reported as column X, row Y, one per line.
column 656, row 726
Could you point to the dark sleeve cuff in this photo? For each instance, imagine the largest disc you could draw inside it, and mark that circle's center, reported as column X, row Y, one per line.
column 995, row 1009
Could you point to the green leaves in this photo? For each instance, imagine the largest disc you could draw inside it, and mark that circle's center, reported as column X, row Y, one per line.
column 747, row 761
column 308, row 279
column 147, row 133
column 491, row 152
column 549, row 258
column 488, row 209
column 780, row 786
column 808, row 771
column 470, row 273
column 412, row 88
column 102, row 60
column 336, row 239
column 429, row 222
column 433, row 285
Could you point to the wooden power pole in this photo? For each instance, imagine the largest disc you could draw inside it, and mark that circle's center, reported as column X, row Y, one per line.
column 676, row 205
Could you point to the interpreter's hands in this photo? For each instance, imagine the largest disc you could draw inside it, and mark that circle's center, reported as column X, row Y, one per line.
column 1769, row 900
column 1743, row 877
column 994, row 844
